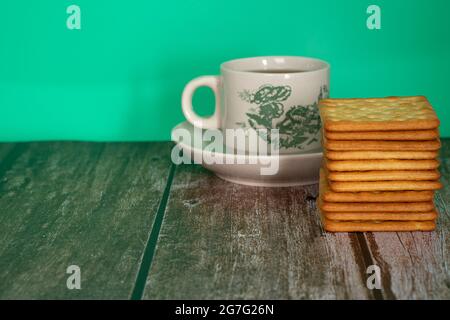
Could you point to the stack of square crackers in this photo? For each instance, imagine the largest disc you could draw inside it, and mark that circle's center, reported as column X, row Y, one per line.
column 380, row 167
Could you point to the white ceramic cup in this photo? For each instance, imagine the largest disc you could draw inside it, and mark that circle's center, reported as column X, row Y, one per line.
column 277, row 92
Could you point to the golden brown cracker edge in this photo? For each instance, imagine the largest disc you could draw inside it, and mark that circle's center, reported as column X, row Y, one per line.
column 385, row 226
column 375, row 186
column 382, row 216
column 383, row 175
column 386, row 196
column 384, row 135
column 380, row 155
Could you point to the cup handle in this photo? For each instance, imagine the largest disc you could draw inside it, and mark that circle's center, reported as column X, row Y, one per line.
column 212, row 122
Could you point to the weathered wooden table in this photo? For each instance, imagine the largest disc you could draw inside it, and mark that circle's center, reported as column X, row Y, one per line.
column 139, row 227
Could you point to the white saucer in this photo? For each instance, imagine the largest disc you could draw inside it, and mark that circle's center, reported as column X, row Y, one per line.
column 294, row 169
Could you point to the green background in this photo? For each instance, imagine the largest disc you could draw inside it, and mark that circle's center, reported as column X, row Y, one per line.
column 120, row 77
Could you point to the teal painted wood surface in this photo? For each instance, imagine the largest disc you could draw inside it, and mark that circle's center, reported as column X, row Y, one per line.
column 90, row 205
column 225, row 241
column 121, row 76
column 141, row 228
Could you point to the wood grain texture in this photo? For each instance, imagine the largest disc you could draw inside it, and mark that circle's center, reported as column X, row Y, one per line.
column 414, row 265
column 225, row 241
column 94, row 205
column 5, row 148
column 85, row 204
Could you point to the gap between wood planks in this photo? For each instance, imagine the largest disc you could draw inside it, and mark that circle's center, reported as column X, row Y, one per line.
column 7, row 162
column 14, row 151
column 150, row 247
column 368, row 261
column 149, row 251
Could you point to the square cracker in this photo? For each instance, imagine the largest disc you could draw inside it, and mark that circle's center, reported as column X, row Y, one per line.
column 379, row 155
column 379, row 145
column 375, row 226
column 375, row 186
column 381, row 216
column 375, row 165
column 378, row 114
column 383, row 175
column 387, row 196
column 406, row 207
column 383, row 135
column 358, row 207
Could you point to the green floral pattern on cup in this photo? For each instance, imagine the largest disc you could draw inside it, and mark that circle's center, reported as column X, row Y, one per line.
column 297, row 128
